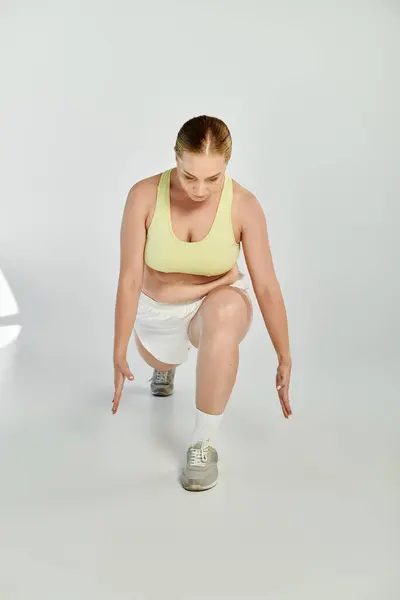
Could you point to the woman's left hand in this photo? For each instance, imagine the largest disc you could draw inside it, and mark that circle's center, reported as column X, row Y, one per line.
column 282, row 386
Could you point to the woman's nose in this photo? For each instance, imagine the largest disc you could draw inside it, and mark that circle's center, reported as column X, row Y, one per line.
column 199, row 190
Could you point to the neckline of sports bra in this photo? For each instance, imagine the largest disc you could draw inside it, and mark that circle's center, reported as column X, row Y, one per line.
column 168, row 186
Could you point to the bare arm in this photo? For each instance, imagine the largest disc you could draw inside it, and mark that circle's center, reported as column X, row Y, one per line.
column 132, row 244
column 268, row 292
column 266, row 286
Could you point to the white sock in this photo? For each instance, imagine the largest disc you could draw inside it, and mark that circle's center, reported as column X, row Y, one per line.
column 206, row 427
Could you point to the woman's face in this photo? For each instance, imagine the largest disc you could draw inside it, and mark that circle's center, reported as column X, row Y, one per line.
column 201, row 175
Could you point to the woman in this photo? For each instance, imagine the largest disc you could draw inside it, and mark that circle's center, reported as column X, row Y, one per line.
column 179, row 284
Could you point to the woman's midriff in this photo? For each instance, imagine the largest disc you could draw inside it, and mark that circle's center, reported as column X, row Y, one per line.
column 167, row 287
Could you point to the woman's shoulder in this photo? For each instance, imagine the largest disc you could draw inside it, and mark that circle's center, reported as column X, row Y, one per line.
column 144, row 191
column 239, row 191
column 243, row 198
column 246, row 207
column 146, row 186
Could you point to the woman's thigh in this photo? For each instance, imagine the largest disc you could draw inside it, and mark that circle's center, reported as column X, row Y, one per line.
column 224, row 306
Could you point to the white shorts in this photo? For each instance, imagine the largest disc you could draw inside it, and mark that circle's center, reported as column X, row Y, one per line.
column 163, row 328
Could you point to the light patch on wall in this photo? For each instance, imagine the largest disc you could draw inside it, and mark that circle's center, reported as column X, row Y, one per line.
column 8, row 308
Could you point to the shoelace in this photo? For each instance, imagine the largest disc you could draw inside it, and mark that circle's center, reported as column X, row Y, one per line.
column 162, row 377
column 198, row 456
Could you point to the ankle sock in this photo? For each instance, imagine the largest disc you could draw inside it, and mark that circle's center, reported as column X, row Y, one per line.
column 206, row 427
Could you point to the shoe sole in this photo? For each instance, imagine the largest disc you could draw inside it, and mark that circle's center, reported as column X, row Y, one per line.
column 162, row 393
column 197, row 488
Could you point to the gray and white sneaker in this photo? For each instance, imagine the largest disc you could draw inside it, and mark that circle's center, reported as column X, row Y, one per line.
column 162, row 382
column 201, row 471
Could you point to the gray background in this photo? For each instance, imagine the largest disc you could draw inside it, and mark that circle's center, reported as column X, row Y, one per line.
column 93, row 94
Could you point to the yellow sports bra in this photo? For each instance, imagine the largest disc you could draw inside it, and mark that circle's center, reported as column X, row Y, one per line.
column 214, row 255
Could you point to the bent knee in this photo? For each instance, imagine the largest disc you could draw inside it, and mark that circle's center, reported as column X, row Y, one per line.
column 226, row 306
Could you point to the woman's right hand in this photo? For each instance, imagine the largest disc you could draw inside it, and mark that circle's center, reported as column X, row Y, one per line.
column 121, row 372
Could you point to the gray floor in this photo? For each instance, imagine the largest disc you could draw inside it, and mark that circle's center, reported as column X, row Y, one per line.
column 91, row 506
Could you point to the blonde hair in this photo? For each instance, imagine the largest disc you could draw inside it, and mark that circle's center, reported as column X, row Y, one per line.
column 204, row 134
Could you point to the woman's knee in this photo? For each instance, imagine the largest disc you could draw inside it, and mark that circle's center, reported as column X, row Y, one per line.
column 225, row 312
column 227, row 306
